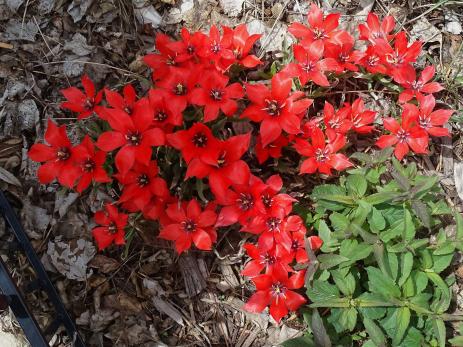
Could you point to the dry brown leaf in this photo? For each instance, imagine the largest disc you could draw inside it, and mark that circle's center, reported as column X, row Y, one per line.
column 104, row 264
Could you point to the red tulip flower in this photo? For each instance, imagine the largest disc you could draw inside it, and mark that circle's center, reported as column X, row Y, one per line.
column 275, row 108
column 320, row 29
column 90, row 161
column 276, row 290
column 276, row 258
column 164, row 114
column 373, row 29
column 322, row 156
column 344, row 55
column 241, row 45
column 215, row 94
column 429, row 120
column 404, row 136
column 189, row 46
column 406, row 77
column 361, row 119
column 196, row 142
column 189, row 224
column 272, row 150
column 82, row 103
column 217, row 47
column 372, row 62
column 124, row 102
column 133, row 135
column 310, row 66
column 141, row 183
column 177, row 87
column 111, row 227
column 270, row 198
column 223, row 165
column 401, row 55
column 57, row 157
column 161, row 63
column 338, row 121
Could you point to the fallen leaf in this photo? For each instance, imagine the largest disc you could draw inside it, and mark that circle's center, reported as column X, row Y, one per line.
column 232, row 7
column 104, row 264
column 71, row 258
column 8, row 177
column 78, row 45
column 167, row 308
column 458, row 177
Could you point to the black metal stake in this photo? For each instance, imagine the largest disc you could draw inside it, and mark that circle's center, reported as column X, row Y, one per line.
column 14, row 298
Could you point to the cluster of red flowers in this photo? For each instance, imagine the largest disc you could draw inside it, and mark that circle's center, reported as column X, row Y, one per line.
column 194, row 93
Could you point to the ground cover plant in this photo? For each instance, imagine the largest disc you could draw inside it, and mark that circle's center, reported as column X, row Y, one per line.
column 182, row 156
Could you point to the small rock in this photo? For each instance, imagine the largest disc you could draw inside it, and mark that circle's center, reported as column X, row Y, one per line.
column 28, row 115
column 452, row 23
column 78, row 45
column 232, row 7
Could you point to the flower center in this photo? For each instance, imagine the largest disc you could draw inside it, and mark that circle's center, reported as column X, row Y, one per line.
column 89, row 165
column 267, row 200
column 170, row 61
column 377, row 35
column 372, row 60
column 143, row 180
column 319, row 34
column 63, row 153
column 88, row 104
column 216, row 94
column 417, row 85
column 425, row 122
column 134, row 138
column 189, row 226
column 128, row 109
column 245, row 201
column 295, row 245
column 402, row 135
column 268, row 259
column 278, row 290
column 180, row 89
column 321, row 155
column 200, row 140
column 112, row 228
column 344, row 57
column 308, row 66
column 160, row 116
column 335, row 123
column 394, row 59
column 273, row 223
column 215, row 47
column 191, row 49
column 273, row 108
column 221, row 159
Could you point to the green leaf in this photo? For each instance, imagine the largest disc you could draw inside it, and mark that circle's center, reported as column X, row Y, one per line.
column 343, row 319
column 357, row 185
column 378, row 283
column 324, row 233
column 439, row 331
column 322, row 291
column 383, row 155
column 302, row 341
column 403, row 320
column 459, row 231
column 409, row 227
column 376, row 220
column 375, row 332
column 406, row 263
column 441, row 262
column 327, row 261
column 421, row 211
column 380, row 198
column 321, row 338
column 354, row 251
column 346, row 284
column 328, row 190
column 421, row 281
column 445, row 297
column 339, row 222
column 457, row 341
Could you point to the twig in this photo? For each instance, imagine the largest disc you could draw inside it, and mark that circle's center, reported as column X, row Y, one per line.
column 6, row 45
column 426, row 12
column 267, row 39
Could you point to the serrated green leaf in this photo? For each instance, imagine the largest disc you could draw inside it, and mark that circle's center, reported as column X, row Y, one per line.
column 376, row 220
column 439, row 331
column 357, row 185
column 409, row 227
column 403, row 320
column 406, row 263
column 378, row 283
column 339, row 222
column 421, row 211
column 327, row 261
column 445, row 297
column 302, row 341
column 441, row 262
column 346, row 284
column 375, row 332
column 322, row 291
column 380, row 198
